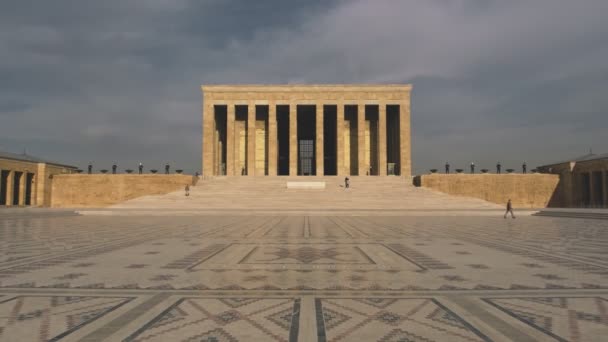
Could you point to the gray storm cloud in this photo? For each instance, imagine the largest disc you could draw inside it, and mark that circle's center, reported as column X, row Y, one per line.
column 118, row 81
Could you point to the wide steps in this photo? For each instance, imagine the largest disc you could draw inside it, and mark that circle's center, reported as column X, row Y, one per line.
column 271, row 193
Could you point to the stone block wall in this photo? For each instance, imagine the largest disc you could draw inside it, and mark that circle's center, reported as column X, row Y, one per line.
column 100, row 190
column 524, row 190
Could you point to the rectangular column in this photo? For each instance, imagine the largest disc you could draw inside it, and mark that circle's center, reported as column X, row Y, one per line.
column 405, row 152
column 9, row 188
column 382, row 139
column 293, row 139
column 208, row 134
column 22, row 181
column 319, row 140
column 230, row 145
column 251, row 138
column 340, row 139
column 361, row 138
column 272, row 139
column 41, row 185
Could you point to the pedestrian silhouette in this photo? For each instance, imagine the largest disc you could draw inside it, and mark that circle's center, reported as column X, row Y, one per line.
column 141, row 168
column 114, row 169
column 90, row 168
column 472, row 167
column 346, row 182
column 498, row 166
column 167, row 169
column 524, row 168
column 447, row 167
column 509, row 209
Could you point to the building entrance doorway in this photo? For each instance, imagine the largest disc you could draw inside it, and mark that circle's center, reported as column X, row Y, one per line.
column 307, row 154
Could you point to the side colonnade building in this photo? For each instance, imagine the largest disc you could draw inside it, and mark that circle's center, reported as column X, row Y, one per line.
column 306, row 130
column 26, row 180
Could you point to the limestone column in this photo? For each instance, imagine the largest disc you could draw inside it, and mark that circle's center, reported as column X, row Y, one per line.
column 230, row 145
column 41, row 185
column 9, row 188
column 319, row 140
column 22, row 187
column 251, row 138
column 208, row 134
column 405, row 153
column 382, row 139
column 293, row 139
column 272, row 139
column 340, row 139
column 361, row 138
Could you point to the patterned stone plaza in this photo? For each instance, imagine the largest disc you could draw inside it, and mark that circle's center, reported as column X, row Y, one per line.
column 302, row 278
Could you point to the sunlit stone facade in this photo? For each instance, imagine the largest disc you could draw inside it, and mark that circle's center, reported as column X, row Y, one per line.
column 305, row 130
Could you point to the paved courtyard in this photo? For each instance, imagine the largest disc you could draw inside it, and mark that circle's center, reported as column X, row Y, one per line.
column 302, row 278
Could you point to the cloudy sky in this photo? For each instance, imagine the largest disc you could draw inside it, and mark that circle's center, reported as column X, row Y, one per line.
column 119, row 80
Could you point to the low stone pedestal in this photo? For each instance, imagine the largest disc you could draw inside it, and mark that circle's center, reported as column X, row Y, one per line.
column 306, row 185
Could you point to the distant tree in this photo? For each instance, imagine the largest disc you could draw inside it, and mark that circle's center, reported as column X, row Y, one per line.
column 154, row 171
column 459, row 170
column 433, row 170
column 103, row 171
column 484, row 170
column 129, row 171
column 179, row 171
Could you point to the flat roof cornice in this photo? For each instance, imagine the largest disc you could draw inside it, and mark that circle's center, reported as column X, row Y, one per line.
column 237, row 88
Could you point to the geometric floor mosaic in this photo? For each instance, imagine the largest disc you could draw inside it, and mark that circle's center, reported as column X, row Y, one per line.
column 302, row 278
column 50, row 318
column 563, row 318
column 223, row 319
column 391, row 319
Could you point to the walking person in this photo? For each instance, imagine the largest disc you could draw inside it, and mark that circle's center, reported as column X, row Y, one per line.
column 524, row 168
column 167, row 169
column 509, row 209
column 346, row 182
column 472, row 167
column 187, row 190
column 141, row 168
column 447, row 167
column 498, row 167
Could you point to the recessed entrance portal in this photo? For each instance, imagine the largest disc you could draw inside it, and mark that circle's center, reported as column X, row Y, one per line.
column 306, row 140
column 17, row 187
column 4, row 187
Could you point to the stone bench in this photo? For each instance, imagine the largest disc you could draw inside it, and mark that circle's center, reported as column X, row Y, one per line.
column 305, row 185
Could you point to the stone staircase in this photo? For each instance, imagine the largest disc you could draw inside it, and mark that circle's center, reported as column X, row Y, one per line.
column 271, row 193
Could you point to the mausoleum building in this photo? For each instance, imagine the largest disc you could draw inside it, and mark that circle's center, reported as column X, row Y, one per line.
column 306, row 130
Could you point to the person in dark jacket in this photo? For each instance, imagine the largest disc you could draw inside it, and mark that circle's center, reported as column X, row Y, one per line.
column 509, row 209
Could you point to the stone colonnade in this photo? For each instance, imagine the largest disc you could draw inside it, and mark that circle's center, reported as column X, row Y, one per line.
column 18, row 185
column 306, row 130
